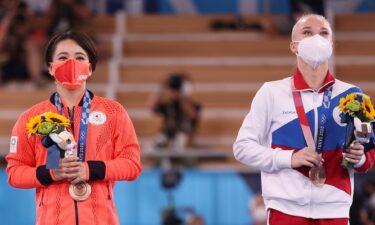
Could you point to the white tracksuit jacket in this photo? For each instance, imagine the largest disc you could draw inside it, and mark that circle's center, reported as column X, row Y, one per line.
column 270, row 133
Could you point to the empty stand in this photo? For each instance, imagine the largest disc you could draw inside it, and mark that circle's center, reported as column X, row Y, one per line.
column 21, row 99
column 348, row 72
column 207, row 48
column 355, row 22
column 205, row 74
column 355, row 47
column 226, row 67
column 100, row 75
column 149, row 24
column 6, row 129
column 104, row 24
column 209, row 99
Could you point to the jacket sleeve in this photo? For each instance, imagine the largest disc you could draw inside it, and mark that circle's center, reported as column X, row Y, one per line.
column 251, row 147
column 21, row 169
column 126, row 164
column 368, row 162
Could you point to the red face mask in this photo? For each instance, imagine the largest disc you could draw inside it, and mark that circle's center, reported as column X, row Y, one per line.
column 71, row 73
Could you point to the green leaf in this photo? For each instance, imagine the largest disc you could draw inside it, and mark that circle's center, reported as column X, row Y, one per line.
column 354, row 106
column 45, row 128
column 346, row 164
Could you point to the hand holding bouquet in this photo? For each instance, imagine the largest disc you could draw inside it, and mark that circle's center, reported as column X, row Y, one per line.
column 59, row 141
column 358, row 113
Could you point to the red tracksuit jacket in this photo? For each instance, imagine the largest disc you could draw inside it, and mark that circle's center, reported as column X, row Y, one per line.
column 112, row 153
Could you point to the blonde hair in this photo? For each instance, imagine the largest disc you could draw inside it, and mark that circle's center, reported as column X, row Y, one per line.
column 306, row 16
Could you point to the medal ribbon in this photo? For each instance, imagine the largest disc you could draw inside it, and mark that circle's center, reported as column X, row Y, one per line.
column 305, row 123
column 83, row 122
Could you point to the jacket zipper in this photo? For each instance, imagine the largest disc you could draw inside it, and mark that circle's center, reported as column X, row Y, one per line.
column 76, row 211
column 316, row 116
column 109, row 192
column 41, row 200
column 71, row 118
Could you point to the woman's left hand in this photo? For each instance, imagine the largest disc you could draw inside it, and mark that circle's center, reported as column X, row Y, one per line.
column 80, row 175
column 354, row 153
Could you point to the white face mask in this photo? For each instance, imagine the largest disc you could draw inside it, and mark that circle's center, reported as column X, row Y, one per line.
column 314, row 50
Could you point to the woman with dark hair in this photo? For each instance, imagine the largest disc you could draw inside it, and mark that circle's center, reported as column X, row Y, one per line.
column 79, row 189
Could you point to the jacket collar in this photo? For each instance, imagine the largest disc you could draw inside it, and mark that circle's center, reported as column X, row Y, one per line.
column 301, row 85
column 52, row 98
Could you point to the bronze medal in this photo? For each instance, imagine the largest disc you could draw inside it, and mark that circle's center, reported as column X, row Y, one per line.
column 317, row 175
column 80, row 191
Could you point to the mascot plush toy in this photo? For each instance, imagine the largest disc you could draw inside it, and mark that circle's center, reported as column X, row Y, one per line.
column 60, row 144
column 362, row 131
column 65, row 141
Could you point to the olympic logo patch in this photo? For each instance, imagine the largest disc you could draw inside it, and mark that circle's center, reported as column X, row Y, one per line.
column 13, row 144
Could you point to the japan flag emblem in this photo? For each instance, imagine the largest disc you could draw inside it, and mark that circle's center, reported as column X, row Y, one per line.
column 97, row 118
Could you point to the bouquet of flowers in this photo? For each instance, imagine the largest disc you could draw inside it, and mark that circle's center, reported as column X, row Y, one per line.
column 46, row 123
column 357, row 112
column 59, row 141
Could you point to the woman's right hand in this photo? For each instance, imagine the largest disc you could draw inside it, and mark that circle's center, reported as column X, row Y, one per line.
column 67, row 168
column 306, row 157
